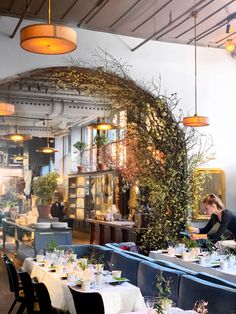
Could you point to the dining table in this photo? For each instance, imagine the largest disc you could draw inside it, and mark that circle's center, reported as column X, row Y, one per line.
column 116, row 299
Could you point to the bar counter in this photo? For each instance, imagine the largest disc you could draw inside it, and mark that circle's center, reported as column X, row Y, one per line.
column 102, row 232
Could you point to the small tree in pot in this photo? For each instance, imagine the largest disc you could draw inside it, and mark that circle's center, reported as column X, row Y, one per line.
column 80, row 146
column 101, row 140
column 43, row 188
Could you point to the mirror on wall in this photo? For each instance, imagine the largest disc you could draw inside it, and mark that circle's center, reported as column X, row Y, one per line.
column 208, row 180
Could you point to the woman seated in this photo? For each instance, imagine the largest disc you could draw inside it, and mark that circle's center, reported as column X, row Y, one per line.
column 226, row 219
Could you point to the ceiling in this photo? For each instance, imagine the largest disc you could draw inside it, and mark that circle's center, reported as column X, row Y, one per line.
column 54, row 111
column 164, row 20
column 42, row 108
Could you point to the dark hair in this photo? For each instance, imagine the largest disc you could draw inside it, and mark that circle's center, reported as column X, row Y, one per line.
column 213, row 199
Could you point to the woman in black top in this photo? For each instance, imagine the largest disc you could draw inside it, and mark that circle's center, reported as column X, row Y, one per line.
column 215, row 208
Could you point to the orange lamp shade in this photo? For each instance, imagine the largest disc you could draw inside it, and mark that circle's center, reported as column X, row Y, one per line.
column 48, row 39
column 103, row 126
column 196, row 121
column 6, row 109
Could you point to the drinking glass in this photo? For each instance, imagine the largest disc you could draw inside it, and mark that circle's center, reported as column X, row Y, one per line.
column 150, row 302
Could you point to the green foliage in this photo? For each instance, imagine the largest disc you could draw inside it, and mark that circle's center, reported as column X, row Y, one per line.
column 80, row 146
column 44, row 188
column 190, row 243
column 164, row 151
column 52, row 245
column 163, row 291
column 100, row 140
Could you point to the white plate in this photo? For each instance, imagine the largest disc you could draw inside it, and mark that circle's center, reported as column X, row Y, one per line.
column 191, row 260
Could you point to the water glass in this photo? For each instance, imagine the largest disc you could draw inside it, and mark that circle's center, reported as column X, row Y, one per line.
column 150, row 302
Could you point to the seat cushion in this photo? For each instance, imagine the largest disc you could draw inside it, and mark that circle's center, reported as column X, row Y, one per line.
column 221, row 300
column 148, row 273
column 128, row 264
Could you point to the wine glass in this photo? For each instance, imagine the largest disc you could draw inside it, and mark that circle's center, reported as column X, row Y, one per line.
column 150, row 303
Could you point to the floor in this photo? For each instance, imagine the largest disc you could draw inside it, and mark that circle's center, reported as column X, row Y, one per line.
column 6, row 297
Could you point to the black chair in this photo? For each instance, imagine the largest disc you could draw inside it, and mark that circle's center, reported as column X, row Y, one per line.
column 30, row 300
column 221, row 299
column 87, row 302
column 44, row 299
column 15, row 287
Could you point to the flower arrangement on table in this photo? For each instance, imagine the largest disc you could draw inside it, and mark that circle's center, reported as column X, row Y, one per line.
column 164, row 301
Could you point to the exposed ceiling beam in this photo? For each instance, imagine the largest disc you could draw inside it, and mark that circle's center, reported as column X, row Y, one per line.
column 167, row 25
column 125, row 16
column 69, row 9
column 208, row 31
column 104, row 3
column 97, row 4
column 27, row 7
column 11, row 5
column 40, row 7
column 151, row 16
column 205, row 19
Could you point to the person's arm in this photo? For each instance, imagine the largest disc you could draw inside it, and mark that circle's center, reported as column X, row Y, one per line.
column 226, row 218
column 209, row 225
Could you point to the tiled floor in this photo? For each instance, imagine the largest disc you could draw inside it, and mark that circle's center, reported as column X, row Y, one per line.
column 6, row 297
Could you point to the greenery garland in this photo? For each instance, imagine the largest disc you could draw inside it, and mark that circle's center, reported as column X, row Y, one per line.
column 160, row 144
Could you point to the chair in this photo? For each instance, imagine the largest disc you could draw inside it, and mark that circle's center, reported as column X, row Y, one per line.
column 15, row 287
column 216, row 280
column 128, row 264
column 147, row 279
column 220, row 299
column 44, row 300
column 30, row 297
column 87, row 302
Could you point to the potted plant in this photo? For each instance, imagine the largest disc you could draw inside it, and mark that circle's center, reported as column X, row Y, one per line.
column 44, row 188
column 101, row 140
column 80, row 147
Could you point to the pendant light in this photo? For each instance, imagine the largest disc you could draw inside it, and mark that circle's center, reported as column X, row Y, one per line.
column 47, row 149
column 17, row 137
column 6, row 109
column 48, row 39
column 103, row 125
column 20, row 156
column 195, row 120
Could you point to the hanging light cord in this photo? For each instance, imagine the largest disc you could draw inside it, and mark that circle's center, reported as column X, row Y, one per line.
column 49, row 11
column 195, row 59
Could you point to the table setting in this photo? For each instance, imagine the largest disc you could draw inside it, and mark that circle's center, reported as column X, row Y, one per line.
column 62, row 269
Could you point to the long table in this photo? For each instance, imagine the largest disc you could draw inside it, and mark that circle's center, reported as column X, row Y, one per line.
column 228, row 274
column 102, row 232
column 118, row 299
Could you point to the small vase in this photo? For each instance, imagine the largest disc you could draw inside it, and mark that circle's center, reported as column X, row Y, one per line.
column 80, row 169
column 102, row 166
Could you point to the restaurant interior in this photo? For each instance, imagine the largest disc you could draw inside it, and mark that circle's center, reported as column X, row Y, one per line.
column 117, row 167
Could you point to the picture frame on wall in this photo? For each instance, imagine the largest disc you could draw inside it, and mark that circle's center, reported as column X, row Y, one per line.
column 208, row 181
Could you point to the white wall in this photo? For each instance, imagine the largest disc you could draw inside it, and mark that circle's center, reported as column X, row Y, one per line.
column 174, row 63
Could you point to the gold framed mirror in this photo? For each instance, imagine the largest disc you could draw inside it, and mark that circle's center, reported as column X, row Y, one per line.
column 208, row 180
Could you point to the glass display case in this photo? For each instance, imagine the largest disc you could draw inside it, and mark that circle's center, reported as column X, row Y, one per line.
column 89, row 193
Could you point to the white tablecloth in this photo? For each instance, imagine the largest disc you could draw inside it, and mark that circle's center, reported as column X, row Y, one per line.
column 119, row 299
